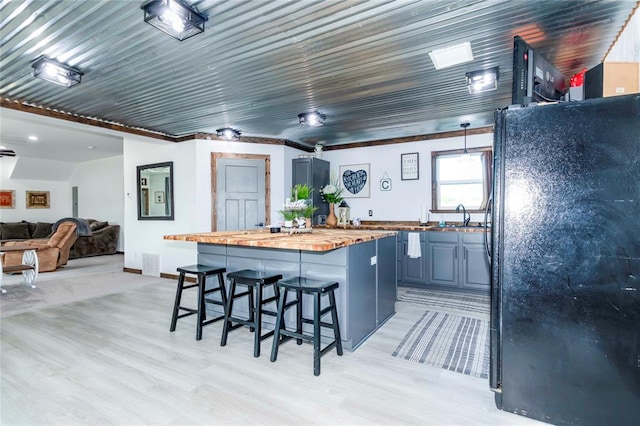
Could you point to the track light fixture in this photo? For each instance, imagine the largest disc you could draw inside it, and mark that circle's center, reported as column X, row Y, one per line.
column 312, row 119
column 228, row 133
column 174, row 17
column 56, row 72
column 482, row 80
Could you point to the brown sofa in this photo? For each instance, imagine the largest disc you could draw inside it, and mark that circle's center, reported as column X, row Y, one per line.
column 101, row 239
column 52, row 252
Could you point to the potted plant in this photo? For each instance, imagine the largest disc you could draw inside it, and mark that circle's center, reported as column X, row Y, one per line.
column 301, row 192
column 307, row 213
column 289, row 216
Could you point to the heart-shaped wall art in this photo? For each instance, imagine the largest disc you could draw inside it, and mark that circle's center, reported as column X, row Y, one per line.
column 354, row 181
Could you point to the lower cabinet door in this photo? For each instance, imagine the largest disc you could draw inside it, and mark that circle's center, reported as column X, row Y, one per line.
column 475, row 268
column 443, row 264
column 414, row 269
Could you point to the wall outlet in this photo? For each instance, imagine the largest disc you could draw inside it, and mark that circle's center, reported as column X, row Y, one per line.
column 374, row 260
column 370, row 213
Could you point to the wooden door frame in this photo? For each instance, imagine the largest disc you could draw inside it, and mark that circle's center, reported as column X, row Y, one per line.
column 214, row 183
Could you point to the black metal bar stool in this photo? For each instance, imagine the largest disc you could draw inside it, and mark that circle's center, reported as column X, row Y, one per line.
column 253, row 280
column 201, row 272
column 316, row 288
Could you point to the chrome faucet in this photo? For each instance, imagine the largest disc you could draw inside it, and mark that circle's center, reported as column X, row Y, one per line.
column 465, row 219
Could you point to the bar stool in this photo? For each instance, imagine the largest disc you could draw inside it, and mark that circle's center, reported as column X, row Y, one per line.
column 316, row 288
column 253, row 280
column 201, row 272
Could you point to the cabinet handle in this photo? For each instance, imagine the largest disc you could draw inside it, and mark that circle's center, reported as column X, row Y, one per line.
column 455, row 254
column 464, row 253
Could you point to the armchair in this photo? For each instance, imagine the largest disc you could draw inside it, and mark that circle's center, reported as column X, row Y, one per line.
column 53, row 251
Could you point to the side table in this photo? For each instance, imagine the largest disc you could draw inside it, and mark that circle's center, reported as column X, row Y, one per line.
column 29, row 266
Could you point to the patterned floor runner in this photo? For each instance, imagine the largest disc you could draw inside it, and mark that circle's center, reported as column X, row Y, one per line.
column 445, row 339
column 463, row 303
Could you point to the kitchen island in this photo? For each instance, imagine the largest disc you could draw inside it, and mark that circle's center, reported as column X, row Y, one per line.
column 363, row 262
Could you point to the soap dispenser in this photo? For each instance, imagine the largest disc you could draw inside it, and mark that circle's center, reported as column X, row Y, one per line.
column 441, row 224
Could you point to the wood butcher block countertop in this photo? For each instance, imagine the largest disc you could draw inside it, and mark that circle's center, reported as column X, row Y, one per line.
column 414, row 226
column 320, row 239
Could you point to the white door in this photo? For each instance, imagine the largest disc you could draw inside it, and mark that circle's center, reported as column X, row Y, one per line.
column 240, row 194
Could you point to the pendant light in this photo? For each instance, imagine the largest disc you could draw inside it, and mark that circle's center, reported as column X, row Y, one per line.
column 465, row 125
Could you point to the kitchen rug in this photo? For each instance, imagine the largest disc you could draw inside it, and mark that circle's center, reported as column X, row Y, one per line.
column 455, row 342
column 463, row 303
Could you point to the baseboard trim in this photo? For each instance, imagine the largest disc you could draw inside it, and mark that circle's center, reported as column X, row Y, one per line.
column 162, row 275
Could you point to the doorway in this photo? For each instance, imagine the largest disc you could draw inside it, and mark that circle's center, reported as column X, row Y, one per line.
column 240, row 191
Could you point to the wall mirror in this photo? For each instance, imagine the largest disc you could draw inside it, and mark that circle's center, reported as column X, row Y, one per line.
column 155, row 191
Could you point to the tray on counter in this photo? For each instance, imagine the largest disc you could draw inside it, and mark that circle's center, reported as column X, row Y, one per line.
column 296, row 230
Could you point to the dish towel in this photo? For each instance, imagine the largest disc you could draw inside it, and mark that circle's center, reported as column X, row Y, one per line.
column 413, row 249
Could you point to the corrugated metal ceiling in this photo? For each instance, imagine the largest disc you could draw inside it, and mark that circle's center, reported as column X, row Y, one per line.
column 259, row 64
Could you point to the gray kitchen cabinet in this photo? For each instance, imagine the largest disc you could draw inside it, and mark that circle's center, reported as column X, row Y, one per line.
column 443, row 259
column 475, row 267
column 414, row 270
column 315, row 173
column 450, row 260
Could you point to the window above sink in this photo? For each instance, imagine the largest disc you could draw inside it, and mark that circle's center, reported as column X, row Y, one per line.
column 459, row 178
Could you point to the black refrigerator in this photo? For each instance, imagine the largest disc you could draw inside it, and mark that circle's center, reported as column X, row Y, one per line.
column 565, row 290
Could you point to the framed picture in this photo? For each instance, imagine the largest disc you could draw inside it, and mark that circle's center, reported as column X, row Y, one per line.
column 159, row 196
column 37, row 199
column 7, row 199
column 355, row 180
column 410, row 167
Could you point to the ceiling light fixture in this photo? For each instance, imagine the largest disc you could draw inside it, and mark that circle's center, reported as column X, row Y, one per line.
column 174, row 17
column 33, row 138
column 483, row 80
column 56, row 72
column 452, row 55
column 312, row 119
column 228, row 133
column 5, row 152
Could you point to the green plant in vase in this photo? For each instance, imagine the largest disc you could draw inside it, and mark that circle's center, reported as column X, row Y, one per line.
column 289, row 216
column 301, row 192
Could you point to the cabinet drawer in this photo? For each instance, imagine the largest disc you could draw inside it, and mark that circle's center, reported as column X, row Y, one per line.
column 423, row 236
column 473, row 238
column 443, row 237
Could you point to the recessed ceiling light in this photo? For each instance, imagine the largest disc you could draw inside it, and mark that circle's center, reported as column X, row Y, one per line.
column 33, row 138
column 452, row 55
column 91, row 147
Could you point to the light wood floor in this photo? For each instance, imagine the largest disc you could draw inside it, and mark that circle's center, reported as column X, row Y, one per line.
column 111, row 360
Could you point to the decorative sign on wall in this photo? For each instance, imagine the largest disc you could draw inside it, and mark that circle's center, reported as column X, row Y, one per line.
column 409, row 166
column 385, row 182
column 37, row 199
column 354, row 179
column 7, row 199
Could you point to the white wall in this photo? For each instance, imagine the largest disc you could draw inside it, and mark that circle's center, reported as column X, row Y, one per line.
column 59, row 196
column 101, row 191
column 406, row 197
column 192, row 194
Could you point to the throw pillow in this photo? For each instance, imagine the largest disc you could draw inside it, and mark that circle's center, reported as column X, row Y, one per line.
column 95, row 226
column 15, row 231
column 43, row 230
column 31, row 225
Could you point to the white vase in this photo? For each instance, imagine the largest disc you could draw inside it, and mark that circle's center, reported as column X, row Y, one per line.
column 288, row 224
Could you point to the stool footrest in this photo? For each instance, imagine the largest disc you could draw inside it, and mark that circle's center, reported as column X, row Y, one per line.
column 212, row 320
column 214, row 302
